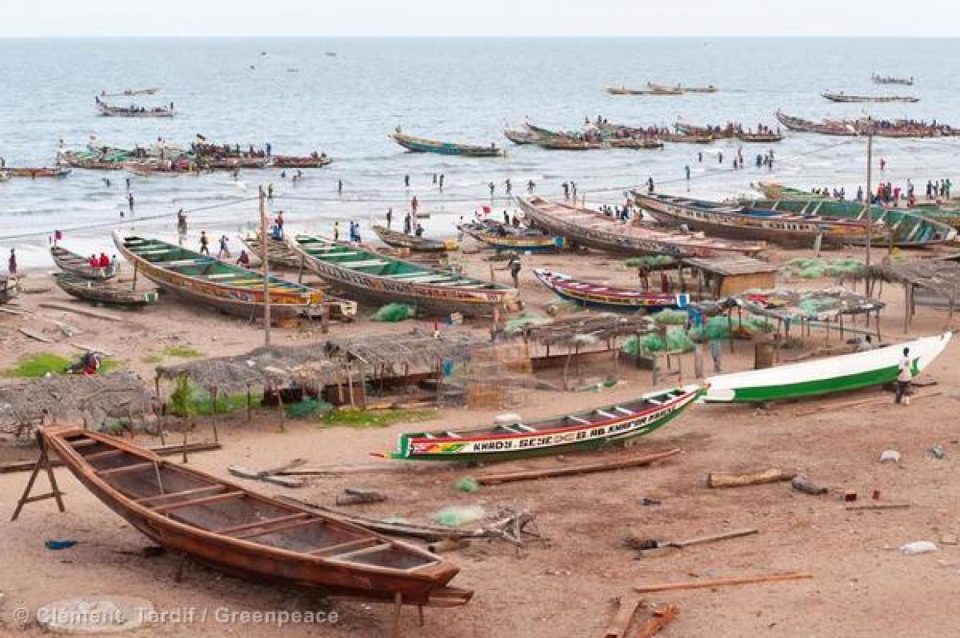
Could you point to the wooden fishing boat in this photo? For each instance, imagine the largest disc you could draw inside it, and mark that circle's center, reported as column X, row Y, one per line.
column 247, row 535
column 422, row 145
column 715, row 132
column 762, row 138
column 585, row 227
column 104, row 292
column 376, row 278
column 500, row 237
column 414, row 243
column 903, row 129
column 700, row 89
column 878, row 79
column 608, row 298
column 650, row 90
column 202, row 279
column 9, row 288
column 293, row 161
column 824, row 376
column 946, row 214
column 520, row 137
column 663, row 89
column 134, row 111
column 793, row 123
column 563, row 143
column 755, row 222
column 899, row 226
column 634, row 142
column 590, row 429
column 687, row 138
column 90, row 161
column 78, row 265
column 35, row 172
column 231, row 163
column 858, row 99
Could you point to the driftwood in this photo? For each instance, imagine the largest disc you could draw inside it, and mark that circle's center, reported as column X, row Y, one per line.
column 661, row 618
column 270, row 475
column 160, row 450
column 877, row 506
column 511, row 526
column 629, row 603
column 653, row 546
column 728, row 479
column 859, row 403
column 807, row 486
column 602, row 466
column 722, row 582
column 82, row 311
column 35, row 336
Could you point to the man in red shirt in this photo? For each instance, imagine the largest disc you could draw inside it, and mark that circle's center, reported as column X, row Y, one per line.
column 104, row 260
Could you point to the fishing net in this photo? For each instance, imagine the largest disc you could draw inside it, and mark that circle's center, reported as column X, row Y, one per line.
column 678, row 340
column 717, row 328
column 394, row 312
column 671, row 317
column 523, row 322
column 457, row 515
column 649, row 261
column 308, row 409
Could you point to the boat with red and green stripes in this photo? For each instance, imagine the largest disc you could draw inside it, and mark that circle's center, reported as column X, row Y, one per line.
column 825, row 376
column 581, row 431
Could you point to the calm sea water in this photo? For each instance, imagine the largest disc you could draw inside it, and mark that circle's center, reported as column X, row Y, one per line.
column 290, row 93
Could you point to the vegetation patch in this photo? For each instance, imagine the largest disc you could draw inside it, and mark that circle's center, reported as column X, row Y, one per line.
column 356, row 418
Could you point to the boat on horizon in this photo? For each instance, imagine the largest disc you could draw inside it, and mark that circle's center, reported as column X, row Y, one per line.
column 422, row 145
column 857, row 99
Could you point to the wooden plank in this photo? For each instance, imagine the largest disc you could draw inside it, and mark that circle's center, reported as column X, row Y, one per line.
column 621, row 620
column 529, row 475
column 661, row 618
column 203, row 500
column 126, row 468
column 149, row 501
column 35, row 336
column 160, row 450
column 722, row 582
column 82, row 311
column 270, row 522
column 858, row 403
column 877, row 506
column 339, row 547
column 728, row 479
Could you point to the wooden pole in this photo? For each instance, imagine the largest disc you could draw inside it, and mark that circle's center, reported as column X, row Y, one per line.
column 266, row 267
column 722, row 582
column 213, row 413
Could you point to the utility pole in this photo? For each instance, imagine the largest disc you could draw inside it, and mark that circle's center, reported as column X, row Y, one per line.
column 869, row 191
column 264, row 238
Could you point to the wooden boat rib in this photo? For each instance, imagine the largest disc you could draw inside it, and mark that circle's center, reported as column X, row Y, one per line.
column 414, row 243
column 422, row 145
column 104, row 292
column 376, row 278
column 824, row 376
column 293, row 161
column 208, row 281
column 585, row 430
column 899, row 227
column 247, row 535
column 134, row 111
column 858, row 99
column 592, row 229
column 78, row 265
column 755, row 222
column 9, row 288
column 605, row 297
column 525, row 241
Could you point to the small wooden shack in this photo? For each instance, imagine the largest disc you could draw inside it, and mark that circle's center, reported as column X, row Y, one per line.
column 725, row 276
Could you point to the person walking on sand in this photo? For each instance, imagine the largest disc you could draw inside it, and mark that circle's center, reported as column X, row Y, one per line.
column 407, row 224
column 389, row 217
column 336, row 231
column 204, row 243
column 130, row 201
column 414, row 204
column 181, row 222
column 904, row 377
column 224, row 249
column 12, row 263
column 515, row 267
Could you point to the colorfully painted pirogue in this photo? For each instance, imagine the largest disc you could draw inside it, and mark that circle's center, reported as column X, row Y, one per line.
column 580, row 431
column 824, row 376
column 609, row 298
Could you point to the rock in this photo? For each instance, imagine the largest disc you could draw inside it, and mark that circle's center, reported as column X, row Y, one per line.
column 95, row 615
column 890, row 455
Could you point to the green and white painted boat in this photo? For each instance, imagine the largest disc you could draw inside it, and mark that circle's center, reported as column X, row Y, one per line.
column 372, row 277
column 585, row 430
column 824, row 376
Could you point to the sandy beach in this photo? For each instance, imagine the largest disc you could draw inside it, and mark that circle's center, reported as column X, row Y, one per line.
column 568, row 585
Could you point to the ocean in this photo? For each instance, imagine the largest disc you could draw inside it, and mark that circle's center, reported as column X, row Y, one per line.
column 299, row 97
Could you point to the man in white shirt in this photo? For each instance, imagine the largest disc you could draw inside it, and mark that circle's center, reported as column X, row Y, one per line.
column 904, row 377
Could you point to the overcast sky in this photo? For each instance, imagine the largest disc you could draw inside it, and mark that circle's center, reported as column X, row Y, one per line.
column 479, row 18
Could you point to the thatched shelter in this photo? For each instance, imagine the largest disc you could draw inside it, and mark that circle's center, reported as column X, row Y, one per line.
column 90, row 399
column 932, row 282
column 387, row 354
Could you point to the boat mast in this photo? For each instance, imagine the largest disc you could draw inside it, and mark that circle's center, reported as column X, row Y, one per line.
column 264, row 238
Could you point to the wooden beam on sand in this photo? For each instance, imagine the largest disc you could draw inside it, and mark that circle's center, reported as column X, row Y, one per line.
column 728, row 479
column 35, row 336
column 661, row 618
column 584, row 468
column 858, row 403
column 877, row 506
column 722, row 582
column 82, row 311
column 629, row 603
column 160, row 450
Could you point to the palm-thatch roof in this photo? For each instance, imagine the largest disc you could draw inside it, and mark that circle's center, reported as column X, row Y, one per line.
column 417, row 348
column 585, row 328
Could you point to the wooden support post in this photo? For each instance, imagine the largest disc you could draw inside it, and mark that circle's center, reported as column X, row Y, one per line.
column 906, row 308
column 213, row 413
column 325, row 319
column 249, row 402
column 135, row 270
column 283, row 424
column 397, row 606
column 181, row 565
column 43, row 462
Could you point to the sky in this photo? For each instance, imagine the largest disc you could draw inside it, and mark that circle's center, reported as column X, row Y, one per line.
column 419, row 18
